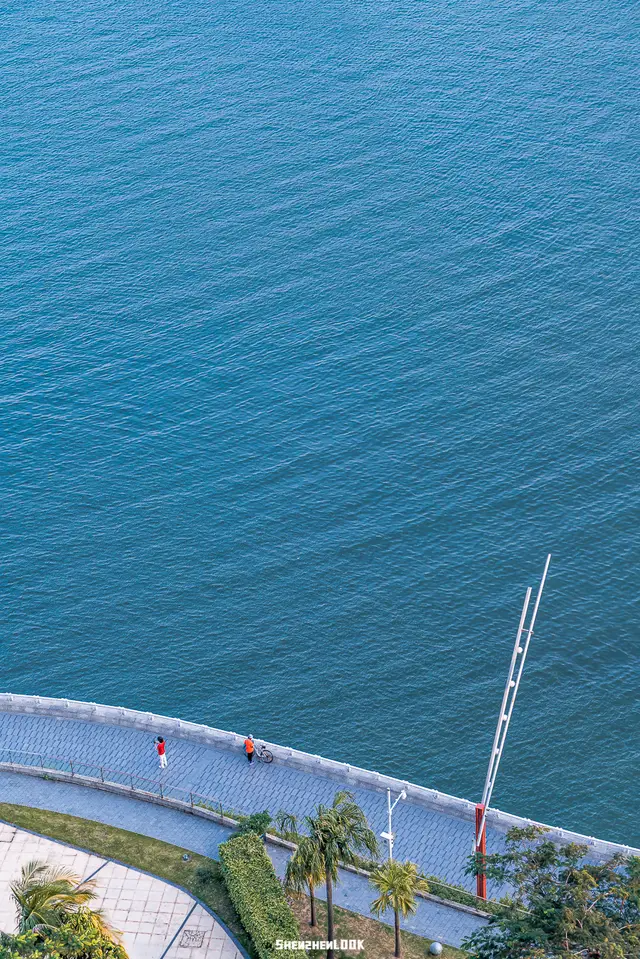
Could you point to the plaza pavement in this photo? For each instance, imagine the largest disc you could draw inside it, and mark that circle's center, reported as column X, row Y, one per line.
column 153, row 918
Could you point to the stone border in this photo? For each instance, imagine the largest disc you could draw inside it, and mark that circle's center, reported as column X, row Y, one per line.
column 341, row 772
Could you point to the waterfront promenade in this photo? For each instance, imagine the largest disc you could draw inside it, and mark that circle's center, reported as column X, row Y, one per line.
column 439, row 840
column 433, row 830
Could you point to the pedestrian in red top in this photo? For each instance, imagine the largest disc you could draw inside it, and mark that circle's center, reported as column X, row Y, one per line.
column 161, row 749
column 249, row 748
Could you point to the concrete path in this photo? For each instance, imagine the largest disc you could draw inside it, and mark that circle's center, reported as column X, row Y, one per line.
column 154, row 919
column 432, row 920
column 438, row 842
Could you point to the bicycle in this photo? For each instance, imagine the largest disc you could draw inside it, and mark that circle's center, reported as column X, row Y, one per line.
column 263, row 754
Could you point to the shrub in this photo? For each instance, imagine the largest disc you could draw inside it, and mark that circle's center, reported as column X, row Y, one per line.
column 287, row 824
column 460, row 894
column 78, row 937
column 257, row 822
column 256, row 893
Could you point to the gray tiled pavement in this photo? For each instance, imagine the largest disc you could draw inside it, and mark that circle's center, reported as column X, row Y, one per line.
column 432, row 920
column 438, row 842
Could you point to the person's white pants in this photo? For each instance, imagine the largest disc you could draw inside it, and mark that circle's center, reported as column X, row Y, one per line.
column 163, row 762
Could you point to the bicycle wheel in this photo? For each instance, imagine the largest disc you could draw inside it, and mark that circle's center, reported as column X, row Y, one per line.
column 266, row 756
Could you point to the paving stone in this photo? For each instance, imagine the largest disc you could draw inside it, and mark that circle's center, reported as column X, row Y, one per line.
column 426, row 836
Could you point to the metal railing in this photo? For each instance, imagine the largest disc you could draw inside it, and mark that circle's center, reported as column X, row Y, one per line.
column 100, row 775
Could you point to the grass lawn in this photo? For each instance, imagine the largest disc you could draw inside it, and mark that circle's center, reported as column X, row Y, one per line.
column 202, row 877
column 378, row 939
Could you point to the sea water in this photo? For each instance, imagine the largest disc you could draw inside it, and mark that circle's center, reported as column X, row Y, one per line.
column 319, row 330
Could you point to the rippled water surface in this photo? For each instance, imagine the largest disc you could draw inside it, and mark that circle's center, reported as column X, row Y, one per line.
column 319, row 330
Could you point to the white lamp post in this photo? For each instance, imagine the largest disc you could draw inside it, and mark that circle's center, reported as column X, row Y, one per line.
column 388, row 835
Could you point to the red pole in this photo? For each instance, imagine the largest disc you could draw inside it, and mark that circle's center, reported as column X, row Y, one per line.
column 481, row 847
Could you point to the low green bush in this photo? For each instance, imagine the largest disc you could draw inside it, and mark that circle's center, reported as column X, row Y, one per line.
column 256, row 893
column 78, row 937
column 257, row 822
column 461, row 895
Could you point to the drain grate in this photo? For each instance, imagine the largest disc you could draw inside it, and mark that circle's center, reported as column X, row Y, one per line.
column 191, row 939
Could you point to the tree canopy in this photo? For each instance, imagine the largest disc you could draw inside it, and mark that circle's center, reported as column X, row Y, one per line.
column 560, row 906
column 397, row 884
column 45, row 895
column 340, row 833
column 54, row 918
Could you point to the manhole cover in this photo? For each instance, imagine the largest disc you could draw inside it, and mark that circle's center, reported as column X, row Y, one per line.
column 191, row 939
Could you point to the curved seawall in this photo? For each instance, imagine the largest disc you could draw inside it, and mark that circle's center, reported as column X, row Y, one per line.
column 211, row 763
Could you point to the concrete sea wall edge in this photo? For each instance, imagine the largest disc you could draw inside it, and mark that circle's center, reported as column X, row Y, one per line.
column 343, row 773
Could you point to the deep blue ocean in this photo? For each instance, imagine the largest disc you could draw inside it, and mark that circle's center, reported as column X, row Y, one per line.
column 319, row 329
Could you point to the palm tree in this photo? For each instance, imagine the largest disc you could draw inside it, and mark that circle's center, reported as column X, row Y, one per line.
column 306, row 869
column 287, row 824
column 397, row 883
column 340, row 832
column 45, row 894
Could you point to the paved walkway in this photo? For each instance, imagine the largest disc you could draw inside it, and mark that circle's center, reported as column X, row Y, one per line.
column 432, row 920
column 440, row 843
column 154, row 919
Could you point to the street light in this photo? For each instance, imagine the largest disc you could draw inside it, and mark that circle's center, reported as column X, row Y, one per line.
column 388, row 835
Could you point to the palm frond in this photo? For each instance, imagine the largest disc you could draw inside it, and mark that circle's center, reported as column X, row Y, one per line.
column 45, row 894
column 305, row 866
column 397, row 884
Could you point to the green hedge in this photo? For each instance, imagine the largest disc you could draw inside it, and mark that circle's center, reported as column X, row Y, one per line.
column 256, row 893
